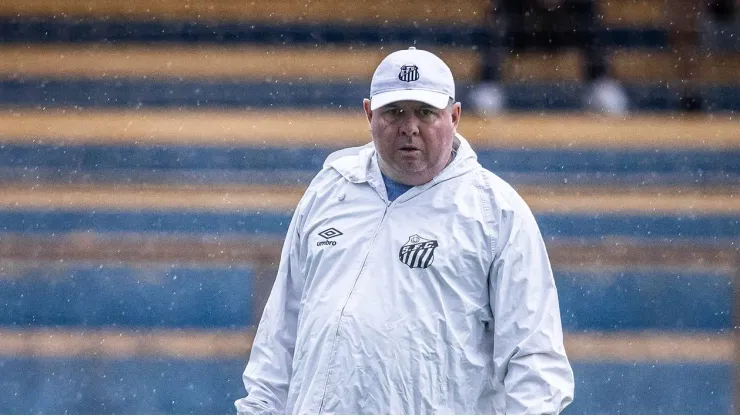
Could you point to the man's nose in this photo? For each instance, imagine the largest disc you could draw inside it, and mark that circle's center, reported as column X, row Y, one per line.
column 410, row 125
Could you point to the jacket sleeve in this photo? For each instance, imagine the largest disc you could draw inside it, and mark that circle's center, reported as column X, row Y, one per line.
column 529, row 356
column 267, row 375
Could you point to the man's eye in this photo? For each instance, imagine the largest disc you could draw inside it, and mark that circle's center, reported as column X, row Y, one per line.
column 394, row 111
column 425, row 112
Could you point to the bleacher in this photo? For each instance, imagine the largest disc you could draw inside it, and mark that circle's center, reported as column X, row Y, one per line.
column 151, row 153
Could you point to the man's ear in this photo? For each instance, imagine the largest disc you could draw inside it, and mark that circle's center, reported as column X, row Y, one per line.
column 368, row 111
column 456, row 112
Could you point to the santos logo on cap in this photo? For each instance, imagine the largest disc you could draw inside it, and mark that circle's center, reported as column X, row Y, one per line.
column 409, row 73
column 412, row 75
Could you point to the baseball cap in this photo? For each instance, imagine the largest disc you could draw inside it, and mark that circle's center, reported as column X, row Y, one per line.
column 412, row 75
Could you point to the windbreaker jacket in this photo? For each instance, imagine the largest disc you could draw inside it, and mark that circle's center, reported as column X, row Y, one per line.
column 442, row 301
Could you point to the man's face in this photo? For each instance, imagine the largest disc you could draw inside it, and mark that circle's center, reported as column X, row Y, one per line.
column 413, row 139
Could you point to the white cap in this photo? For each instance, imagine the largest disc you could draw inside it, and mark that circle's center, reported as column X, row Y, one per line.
column 412, row 75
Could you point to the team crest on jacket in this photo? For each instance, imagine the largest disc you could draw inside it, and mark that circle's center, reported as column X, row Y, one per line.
column 418, row 252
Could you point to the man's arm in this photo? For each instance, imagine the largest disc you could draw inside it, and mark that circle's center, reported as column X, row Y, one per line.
column 529, row 355
column 268, row 372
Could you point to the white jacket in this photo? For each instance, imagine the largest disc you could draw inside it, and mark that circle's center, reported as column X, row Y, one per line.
column 442, row 301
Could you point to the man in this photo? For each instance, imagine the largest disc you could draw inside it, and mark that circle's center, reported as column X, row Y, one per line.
column 412, row 280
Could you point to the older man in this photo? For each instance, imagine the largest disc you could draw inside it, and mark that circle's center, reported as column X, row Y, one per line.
column 412, row 280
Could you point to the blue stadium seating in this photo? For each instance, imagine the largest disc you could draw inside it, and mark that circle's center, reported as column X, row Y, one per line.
column 171, row 386
column 128, row 297
column 652, row 388
column 552, row 225
column 126, row 163
column 160, row 296
column 151, row 296
column 137, row 93
column 656, row 299
column 59, row 30
column 78, row 385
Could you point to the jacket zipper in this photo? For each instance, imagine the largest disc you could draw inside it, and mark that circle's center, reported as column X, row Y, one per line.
column 341, row 312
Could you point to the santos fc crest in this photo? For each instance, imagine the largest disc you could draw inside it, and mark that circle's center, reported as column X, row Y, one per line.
column 418, row 252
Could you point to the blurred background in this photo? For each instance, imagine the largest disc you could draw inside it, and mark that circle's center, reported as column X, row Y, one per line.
column 152, row 151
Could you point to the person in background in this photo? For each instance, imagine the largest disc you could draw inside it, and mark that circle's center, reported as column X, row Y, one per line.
column 697, row 29
column 412, row 280
column 512, row 25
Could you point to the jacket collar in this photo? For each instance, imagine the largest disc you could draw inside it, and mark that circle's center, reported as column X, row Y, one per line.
column 360, row 164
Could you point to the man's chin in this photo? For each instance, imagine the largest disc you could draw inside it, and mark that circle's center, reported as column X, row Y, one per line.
column 413, row 177
column 411, row 168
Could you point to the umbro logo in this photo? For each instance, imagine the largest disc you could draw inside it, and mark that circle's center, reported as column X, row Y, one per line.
column 328, row 234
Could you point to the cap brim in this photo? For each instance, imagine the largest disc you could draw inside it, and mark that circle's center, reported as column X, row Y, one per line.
column 435, row 99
